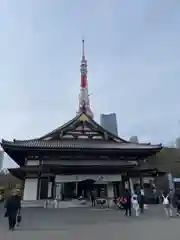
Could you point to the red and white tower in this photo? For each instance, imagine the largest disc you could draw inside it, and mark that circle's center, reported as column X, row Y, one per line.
column 84, row 103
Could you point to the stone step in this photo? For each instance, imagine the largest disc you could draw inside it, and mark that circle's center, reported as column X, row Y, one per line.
column 52, row 204
column 32, row 203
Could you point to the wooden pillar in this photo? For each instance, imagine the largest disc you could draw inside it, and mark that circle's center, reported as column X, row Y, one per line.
column 53, row 188
column 38, row 188
column 110, row 193
column 76, row 189
column 49, row 188
column 141, row 182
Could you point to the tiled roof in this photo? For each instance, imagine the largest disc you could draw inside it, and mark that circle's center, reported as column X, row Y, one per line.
column 77, row 144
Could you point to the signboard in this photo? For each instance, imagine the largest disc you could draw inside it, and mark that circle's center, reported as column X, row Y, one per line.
column 79, row 178
column 176, row 180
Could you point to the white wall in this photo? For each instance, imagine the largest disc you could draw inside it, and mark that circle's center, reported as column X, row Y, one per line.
column 49, row 189
column 32, row 163
column 110, row 193
column 30, row 189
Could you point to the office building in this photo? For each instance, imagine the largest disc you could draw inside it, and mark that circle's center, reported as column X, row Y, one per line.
column 109, row 122
column 1, row 158
column 134, row 139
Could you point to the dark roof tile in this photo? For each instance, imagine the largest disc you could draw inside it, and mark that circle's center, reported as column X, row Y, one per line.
column 79, row 144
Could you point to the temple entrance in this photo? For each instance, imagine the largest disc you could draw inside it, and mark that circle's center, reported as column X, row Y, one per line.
column 71, row 190
column 69, row 187
column 100, row 190
column 85, row 188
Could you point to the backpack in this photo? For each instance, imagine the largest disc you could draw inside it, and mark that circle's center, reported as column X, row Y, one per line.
column 124, row 201
column 165, row 200
column 19, row 218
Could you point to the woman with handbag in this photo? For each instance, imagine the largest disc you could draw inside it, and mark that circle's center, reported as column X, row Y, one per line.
column 12, row 207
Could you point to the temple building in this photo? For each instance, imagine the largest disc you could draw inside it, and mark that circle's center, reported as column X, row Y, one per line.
column 78, row 156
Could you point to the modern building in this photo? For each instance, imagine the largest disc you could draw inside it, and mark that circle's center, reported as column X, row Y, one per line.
column 177, row 143
column 109, row 122
column 77, row 157
column 1, row 159
column 134, row 139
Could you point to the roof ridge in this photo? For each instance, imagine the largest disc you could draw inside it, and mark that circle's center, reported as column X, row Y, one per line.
column 110, row 133
column 61, row 127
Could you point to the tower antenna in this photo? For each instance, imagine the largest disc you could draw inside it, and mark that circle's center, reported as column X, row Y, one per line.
column 84, row 102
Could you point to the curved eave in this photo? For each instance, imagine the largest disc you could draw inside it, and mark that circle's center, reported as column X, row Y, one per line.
column 17, row 173
column 18, row 152
column 154, row 172
column 21, row 172
column 45, row 144
column 14, row 153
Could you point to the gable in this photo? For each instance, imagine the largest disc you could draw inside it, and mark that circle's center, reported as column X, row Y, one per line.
column 81, row 127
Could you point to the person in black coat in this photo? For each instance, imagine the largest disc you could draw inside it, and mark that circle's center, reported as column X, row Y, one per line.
column 12, row 206
column 93, row 198
column 141, row 200
column 127, row 202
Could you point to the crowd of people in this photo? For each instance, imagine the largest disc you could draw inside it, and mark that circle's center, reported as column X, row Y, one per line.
column 128, row 201
column 136, row 202
column 131, row 201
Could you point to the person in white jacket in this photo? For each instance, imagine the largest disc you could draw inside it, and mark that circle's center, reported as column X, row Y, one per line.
column 167, row 205
column 135, row 204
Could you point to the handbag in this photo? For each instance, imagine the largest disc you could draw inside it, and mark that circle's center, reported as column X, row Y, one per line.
column 19, row 218
column 5, row 215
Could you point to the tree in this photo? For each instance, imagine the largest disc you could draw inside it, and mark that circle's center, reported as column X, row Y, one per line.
column 168, row 160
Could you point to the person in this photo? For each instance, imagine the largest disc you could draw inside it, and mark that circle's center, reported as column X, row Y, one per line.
column 178, row 207
column 176, row 203
column 18, row 199
column 12, row 206
column 127, row 202
column 135, row 204
column 167, row 204
column 141, row 200
column 93, row 198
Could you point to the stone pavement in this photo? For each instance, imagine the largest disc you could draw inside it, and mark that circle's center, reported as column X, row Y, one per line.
column 86, row 224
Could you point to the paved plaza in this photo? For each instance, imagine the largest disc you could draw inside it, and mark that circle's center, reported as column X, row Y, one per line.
column 86, row 224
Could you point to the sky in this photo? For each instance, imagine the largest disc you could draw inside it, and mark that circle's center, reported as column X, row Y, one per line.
column 133, row 53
